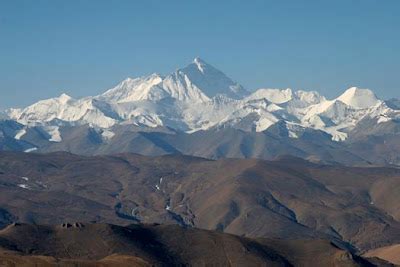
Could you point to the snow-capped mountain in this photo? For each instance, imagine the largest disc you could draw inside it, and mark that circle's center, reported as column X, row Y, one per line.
column 198, row 82
column 200, row 97
column 65, row 109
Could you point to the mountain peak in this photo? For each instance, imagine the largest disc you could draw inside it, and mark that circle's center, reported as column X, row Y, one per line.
column 201, row 64
column 210, row 80
column 199, row 60
column 64, row 98
column 359, row 98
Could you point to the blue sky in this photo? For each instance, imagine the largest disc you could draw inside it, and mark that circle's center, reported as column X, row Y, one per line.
column 85, row 47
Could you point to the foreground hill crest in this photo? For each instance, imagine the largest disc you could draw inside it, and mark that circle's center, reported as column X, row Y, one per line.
column 157, row 245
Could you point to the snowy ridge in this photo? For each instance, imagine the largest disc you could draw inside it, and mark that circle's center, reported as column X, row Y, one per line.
column 200, row 97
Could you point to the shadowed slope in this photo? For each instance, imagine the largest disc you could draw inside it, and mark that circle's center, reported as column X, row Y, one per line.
column 145, row 245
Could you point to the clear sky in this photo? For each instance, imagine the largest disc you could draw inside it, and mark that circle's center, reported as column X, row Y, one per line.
column 85, row 47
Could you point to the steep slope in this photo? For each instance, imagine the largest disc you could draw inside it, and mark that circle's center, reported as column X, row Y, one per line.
column 146, row 88
column 389, row 254
column 155, row 88
column 211, row 81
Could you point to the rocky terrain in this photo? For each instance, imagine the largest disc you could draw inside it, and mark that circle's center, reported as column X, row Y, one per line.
column 356, row 208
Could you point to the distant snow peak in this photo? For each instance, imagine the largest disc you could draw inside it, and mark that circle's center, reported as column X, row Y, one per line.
column 359, row 98
column 299, row 98
column 201, row 97
column 309, row 97
column 276, row 96
column 64, row 98
column 210, row 80
column 197, row 82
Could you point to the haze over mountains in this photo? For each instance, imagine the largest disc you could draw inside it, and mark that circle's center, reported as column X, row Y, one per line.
column 157, row 115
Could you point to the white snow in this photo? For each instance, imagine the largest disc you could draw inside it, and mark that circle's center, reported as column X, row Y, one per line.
column 133, row 212
column 199, row 64
column 62, row 108
column 20, row 133
column 200, row 97
column 264, row 123
column 294, row 130
column 107, row 134
column 276, row 96
column 158, row 186
column 338, row 136
column 25, row 178
column 30, row 149
column 54, row 132
column 383, row 118
column 359, row 98
column 209, row 80
column 340, row 115
column 24, row 186
column 144, row 88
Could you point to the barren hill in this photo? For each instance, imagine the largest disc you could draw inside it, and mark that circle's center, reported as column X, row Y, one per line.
column 149, row 245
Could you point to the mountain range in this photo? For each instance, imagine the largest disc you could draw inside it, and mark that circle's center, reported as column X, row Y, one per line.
column 277, row 176
column 198, row 110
